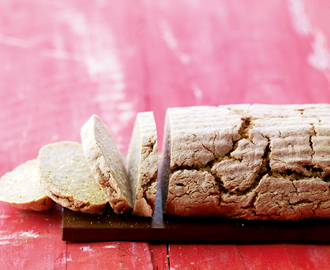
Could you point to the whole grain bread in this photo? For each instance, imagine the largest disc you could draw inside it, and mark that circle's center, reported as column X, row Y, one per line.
column 66, row 178
column 142, row 164
column 247, row 161
column 21, row 188
column 106, row 163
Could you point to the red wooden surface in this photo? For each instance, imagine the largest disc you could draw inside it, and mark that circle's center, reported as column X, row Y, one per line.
column 61, row 61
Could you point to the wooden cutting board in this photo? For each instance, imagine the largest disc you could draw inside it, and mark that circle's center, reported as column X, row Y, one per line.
column 81, row 227
column 109, row 226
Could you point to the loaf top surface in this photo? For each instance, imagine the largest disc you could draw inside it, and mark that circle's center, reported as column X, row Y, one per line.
column 63, row 170
column 296, row 134
column 281, row 111
column 200, row 134
column 22, row 184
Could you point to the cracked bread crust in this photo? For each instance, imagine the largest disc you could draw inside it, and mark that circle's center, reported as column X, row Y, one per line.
column 142, row 163
column 280, row 198
column 106, row 164
column 66, row 178
column 275, row 166
column 21, row 188
column 195, row 140
column 193, row 192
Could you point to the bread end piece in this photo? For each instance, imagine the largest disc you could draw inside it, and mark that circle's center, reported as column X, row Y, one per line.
column 21, row 188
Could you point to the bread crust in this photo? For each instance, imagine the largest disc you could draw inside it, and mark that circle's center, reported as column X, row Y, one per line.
column 276, row 164
column 107, row 166
column 142, row 164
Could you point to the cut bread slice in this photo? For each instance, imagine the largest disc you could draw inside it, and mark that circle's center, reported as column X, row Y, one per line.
column 21, row 188
column 106, row 163
column 66, row 177
column 142, row 162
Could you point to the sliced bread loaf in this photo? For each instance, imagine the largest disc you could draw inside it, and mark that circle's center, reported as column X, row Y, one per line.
column 66, row 177
column 142, row 162
column 21, row 188
column 106, row 163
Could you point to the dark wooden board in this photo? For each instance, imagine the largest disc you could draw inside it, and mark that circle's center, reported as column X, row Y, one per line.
column 111, row 227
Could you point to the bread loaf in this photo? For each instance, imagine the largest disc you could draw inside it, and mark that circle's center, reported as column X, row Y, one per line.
column 106, row 164
column 21, row 188
column 247, row 161
column 66, row 177
column 142, row 163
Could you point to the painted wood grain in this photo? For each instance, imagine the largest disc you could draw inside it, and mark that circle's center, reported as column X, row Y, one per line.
column 222, row 53
column 62, row 62
column 109, row 255
column 31, row 240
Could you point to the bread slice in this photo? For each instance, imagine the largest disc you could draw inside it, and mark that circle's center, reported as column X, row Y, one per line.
column 66, row 177
column 142, row 162
column 21, row 188
column 106, row 163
